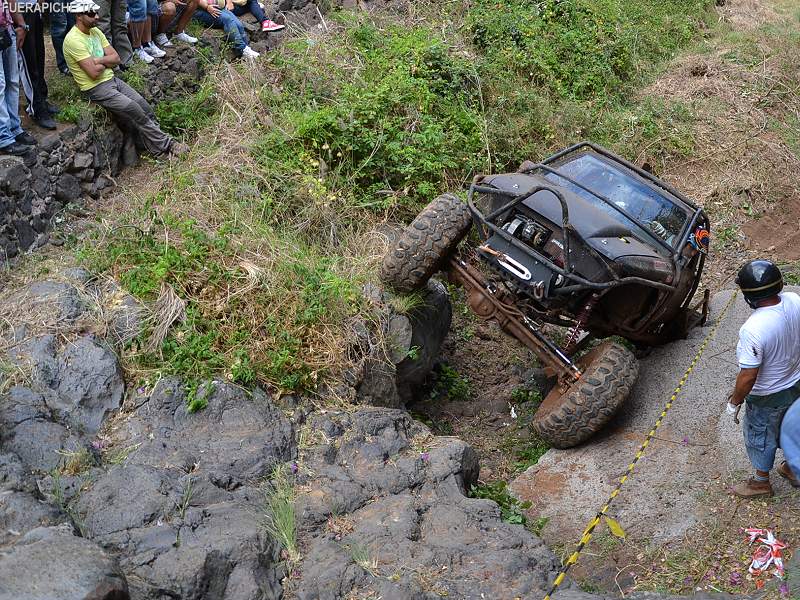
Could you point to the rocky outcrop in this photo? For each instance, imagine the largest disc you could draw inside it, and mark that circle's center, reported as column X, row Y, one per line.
column 395, row 364
column 101, row 500
column 50, row 562
column 387, row 513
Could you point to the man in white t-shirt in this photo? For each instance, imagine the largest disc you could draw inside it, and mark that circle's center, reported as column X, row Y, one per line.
column 768, row 353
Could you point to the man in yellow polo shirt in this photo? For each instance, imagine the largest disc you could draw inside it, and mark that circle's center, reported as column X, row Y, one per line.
column 90, row 59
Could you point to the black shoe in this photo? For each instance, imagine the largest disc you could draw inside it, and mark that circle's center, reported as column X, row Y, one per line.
column 15, row 149
column 46, row 122
column 53, row 109
column 65, row 70
column 26, row 138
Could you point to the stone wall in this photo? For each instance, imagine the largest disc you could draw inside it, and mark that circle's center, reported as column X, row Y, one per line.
column 82, row 161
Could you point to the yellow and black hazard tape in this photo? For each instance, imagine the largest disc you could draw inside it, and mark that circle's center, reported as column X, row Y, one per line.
column 587, row 533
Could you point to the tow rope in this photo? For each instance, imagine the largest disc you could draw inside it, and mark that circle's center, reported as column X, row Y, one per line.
column 587, row 533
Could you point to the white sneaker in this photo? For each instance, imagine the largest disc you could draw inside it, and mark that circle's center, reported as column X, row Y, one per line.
column 163, row 41
column 248, row 52
column 185, row 37
column 154, row 50
column 142, row 55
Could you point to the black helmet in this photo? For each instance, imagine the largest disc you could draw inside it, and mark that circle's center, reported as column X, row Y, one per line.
column 759, row 280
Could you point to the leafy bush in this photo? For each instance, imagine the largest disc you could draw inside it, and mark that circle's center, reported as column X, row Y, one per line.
column 581, row 48
column 388, row 114
column 511, row 510
column 187, row 115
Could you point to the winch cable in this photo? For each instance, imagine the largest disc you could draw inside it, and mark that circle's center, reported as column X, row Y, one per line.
column 588, row 532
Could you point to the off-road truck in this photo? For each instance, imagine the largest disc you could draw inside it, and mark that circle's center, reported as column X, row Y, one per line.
column 583, row 240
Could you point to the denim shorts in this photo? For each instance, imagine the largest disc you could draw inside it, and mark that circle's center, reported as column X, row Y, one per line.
column 139, row 9
column 762, row 432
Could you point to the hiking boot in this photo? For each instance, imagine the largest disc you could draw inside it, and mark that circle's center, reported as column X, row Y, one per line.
column 15, row 149
column 785, row 471
column 27, row 139
column 267, row 25
column 753, row 489
column 45, row 121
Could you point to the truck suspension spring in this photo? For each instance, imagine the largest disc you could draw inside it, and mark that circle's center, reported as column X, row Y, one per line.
column 580, row 322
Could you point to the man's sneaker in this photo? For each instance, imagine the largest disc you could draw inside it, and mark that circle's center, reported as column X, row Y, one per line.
column 25, row 138
column 267, row 25
column 784, row 471
column 753, row 489
column 248, row 52
column 142, row 55
column 163, row 41
column 185, row 37
column 15, row 149
column 154, row 50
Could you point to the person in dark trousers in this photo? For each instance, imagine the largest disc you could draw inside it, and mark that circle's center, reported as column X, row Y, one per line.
column 111, row 21
column 768, row 353
column 32, row 66
column 60, row 22
column 91, row 59
column 13, row 140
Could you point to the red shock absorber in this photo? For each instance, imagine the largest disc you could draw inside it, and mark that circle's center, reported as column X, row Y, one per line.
column 580, row 321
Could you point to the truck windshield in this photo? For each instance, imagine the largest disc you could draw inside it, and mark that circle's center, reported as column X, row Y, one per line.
column 646, row 205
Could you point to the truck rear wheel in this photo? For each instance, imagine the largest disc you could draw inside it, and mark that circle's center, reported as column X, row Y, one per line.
column 425, row 244
column 567, row 419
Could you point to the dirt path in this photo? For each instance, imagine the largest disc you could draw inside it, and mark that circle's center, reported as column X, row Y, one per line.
column 679, row 490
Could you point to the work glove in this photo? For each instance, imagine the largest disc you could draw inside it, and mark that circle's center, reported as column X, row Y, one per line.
column 733, row 409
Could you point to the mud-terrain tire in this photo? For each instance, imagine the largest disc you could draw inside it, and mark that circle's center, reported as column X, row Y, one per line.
column 425, row 244
column 566, row 420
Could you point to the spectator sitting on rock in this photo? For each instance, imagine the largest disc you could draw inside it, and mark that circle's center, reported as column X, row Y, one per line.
column 13, row 140
column 90, row 59
column 140, row 29
column 210, row 15
column 242, row 7
column 170, row 9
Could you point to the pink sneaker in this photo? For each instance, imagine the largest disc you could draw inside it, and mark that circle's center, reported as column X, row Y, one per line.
column 268, row 25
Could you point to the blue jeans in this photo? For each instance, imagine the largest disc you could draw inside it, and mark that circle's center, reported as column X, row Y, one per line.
column 10, row 126
column 252, row 7
column 762, row 431
column 60, row 23
column 234, row 30
column 790, row 437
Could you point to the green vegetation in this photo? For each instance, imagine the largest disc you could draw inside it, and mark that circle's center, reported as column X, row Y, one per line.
column 189, row 114
column 279, row 514
column 511, row 509
column 530, row 454
column 74, row 107
column 362, row 556
column 449, row 385
column 136, row 75
column 260, row 242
